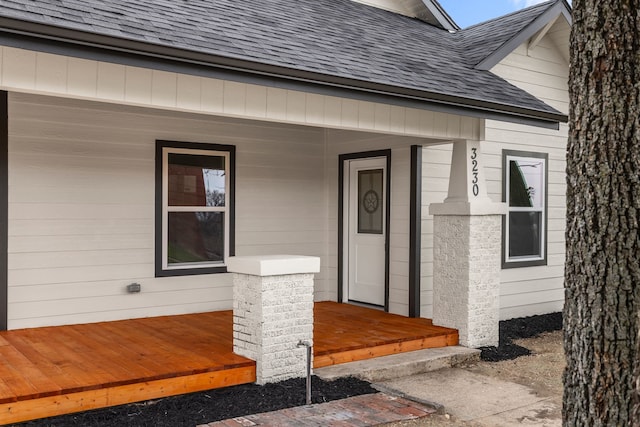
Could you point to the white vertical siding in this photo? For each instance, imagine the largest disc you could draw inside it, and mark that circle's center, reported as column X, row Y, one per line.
column 81, row 207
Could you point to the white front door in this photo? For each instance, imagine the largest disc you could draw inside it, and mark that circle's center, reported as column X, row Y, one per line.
column 366, row 201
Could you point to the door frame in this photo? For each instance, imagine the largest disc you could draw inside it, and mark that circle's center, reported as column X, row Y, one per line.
column 342, row 253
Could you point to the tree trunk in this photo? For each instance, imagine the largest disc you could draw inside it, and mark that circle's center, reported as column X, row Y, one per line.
column 602, row 273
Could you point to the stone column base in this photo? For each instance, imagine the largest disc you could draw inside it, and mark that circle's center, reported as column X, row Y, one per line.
column 466, row 282
column 273, row 313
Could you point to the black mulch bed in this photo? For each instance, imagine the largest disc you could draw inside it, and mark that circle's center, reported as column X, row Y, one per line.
column 523, row 327
column 214, row 405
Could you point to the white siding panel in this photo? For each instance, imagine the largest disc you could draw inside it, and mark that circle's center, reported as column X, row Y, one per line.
column 188, row 92
column 111, row 81
column 19, row 68
column 436, row 164
column 81, row 227
column 81, row 213
column 524, row 291
column 98, row 240
column 531, row 303
column 138, row 85
column 234, row 95
column 366, row 115
column 382, row 119
column 212, row 95
column 276, row 104
column 51, row 72
column 314, row 108
column 152, row 302
column 82, row 77
column 296, row 106
column 95, row 315
column 397, row 119
column 164, row 88
column 78, row 274
column 543, row 72
column 38, row 260
column 105, row 288
column 57, row 75
column 256, row 102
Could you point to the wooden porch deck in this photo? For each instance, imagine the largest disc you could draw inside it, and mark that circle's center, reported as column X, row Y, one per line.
column 57, row 370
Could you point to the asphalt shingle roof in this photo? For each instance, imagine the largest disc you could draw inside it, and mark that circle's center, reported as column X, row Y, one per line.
column 481, row 40
column 339, row 38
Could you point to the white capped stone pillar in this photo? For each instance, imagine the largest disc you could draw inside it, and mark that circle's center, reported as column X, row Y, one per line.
column 273, row 313
column 467, row 250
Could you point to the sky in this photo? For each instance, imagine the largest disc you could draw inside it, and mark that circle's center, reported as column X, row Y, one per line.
column 469, row 12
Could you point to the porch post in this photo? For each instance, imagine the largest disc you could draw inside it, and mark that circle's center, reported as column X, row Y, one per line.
column 273, row 313
column 467, row 248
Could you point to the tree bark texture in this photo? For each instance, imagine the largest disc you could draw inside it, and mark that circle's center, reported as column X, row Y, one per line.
column 602, row 272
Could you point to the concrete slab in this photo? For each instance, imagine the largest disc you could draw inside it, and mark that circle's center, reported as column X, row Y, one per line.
column 401, row 365
column 474, row 397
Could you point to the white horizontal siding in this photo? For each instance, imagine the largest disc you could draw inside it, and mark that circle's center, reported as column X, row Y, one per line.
column 70, row 161
column 81, row 207
column 542, row 71
column 43, row 73
column 436, row 165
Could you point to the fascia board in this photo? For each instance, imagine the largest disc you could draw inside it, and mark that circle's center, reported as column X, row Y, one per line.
column 440, row 15
column 121, row 51
column 560, row 8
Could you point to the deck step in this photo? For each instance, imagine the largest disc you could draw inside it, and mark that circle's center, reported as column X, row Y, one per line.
column 401, row 365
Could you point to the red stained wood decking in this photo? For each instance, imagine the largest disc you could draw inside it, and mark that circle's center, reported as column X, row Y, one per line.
column 346, row 333
column 57, row 370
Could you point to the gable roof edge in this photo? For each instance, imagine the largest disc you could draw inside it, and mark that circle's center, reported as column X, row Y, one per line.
column 561, row 7
column 440, row 15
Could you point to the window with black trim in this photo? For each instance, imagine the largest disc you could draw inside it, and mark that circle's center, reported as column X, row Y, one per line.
column 194, row 207
column 525, row 225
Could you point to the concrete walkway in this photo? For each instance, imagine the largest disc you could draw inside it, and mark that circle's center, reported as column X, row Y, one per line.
column 473, row 397
column 415, row 385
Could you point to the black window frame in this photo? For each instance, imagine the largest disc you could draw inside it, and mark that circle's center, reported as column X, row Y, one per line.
column 506, row 263
column 160, row 271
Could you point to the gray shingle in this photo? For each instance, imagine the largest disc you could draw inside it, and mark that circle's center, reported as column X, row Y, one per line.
column 481, row 40
column 340, row 38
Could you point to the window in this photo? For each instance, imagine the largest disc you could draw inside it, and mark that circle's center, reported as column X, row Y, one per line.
column 194, row 208
column 525, row 225
column 369, row 203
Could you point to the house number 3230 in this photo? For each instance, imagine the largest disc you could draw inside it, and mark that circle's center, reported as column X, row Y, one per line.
column 474, row 172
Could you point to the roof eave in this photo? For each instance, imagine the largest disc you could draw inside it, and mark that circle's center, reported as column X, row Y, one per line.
column 57, row 40
column 561, row 7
